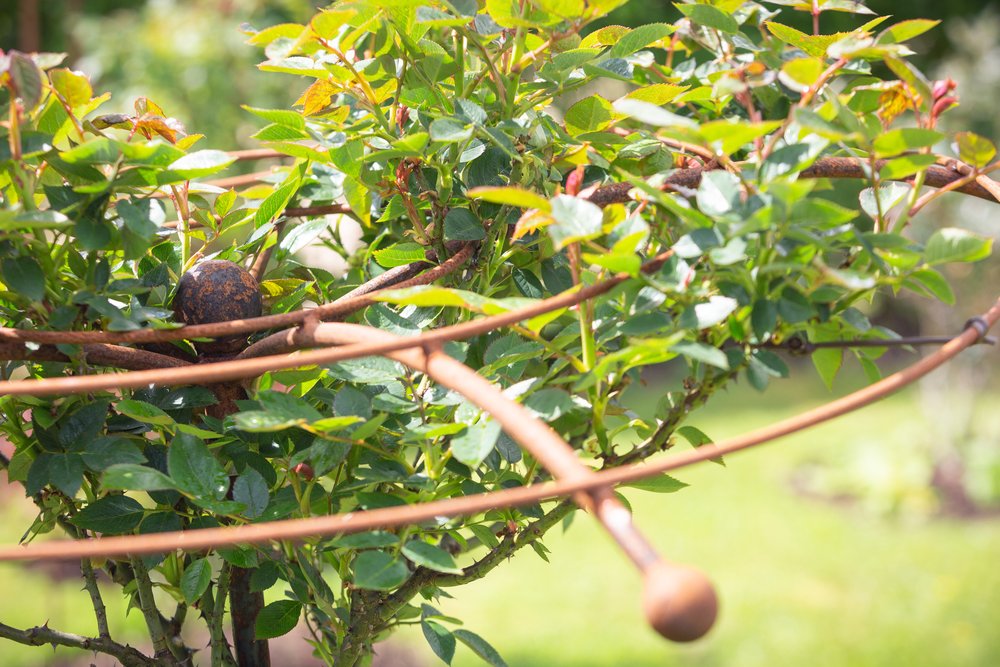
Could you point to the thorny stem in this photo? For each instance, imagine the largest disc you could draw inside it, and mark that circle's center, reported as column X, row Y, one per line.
column 100, row 611
column 214, row 610
column 42, row 635
column 144, row 589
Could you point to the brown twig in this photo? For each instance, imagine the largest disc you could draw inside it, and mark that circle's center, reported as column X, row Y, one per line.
column 251, row 367
column 43, row 634
column 115, row 356
column 233, row 327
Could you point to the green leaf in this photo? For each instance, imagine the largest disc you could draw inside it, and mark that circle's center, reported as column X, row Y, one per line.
column 484, row 534
column 195, row 469
column 376, row 539
column 195, row 580
column 904, row 139
column 431, row 557
column 24, row 275
column 591, row 114
column 717, row 309
column 201, row 163
column 277, row 619
column 260, row 421
column 284, row 117
column 974, row 149
column 400, row 254
column 144, row 412
column 102, row 453
column 380, row 571
column 719, row 191
column 730, row 136
column 574, row 219
column 707, row 354
column 130, row 476
column 932, row 283
column 889, row 195
column 480, row 647
column 275, row 203
column 952, row 244
column 27, row 79
column 224, row 202
column 658, row 484
column 81, row 427
column 110, row 515
column 440, row 639
column 476, row 443
column 450, row 130
column 63, row 471
column 429, row 295
column 512, row 196
column 549, row 403
column 827, row 362
column 461, row 224
column 710, row 17
column 764, row 318
column 640, row 38
column 251, row 489
column 906, row 165
column 657, row 93
column 906, row 30
column 74, row 87
column 651, row 114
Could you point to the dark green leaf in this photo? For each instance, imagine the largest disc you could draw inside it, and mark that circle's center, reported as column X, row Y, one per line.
column 480, row 647
column 195, row 469
column 461, row 224
column 277, row 619
column 130, row 476
column 195, row 580
column 144, row 412
column 251, row 490
column 440, row 639
column 658, row 484
column 431, row 557
column 110, row 515
column 24, row 275
column 378, row 570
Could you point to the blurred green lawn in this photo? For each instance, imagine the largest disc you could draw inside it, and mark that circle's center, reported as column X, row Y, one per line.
column 801, row 581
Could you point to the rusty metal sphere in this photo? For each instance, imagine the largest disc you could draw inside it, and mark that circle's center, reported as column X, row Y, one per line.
column 217, row 290
column 679, row 602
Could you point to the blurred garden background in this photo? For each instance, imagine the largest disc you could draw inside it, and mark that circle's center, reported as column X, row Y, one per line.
column 869, row 541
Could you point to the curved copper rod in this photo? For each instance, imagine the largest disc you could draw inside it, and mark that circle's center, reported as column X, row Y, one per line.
column 338, row 308
column 391, row 517
column 224, row 371
column 680, row 602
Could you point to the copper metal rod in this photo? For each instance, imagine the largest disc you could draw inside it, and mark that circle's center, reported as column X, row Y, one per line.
column 338, row 308
column 244, row 368
column 391, row 517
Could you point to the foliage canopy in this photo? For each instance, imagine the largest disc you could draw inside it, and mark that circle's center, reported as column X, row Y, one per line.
column 430, row 123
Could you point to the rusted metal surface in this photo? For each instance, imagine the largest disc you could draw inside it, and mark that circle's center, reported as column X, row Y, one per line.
column 216, row 290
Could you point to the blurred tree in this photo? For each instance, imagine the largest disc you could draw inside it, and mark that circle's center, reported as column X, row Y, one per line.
column 186, row 56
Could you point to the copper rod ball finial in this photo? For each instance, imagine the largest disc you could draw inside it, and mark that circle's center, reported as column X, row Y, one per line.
column 679, row 602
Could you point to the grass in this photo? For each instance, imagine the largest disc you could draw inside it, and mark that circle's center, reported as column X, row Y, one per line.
column 802, row 582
